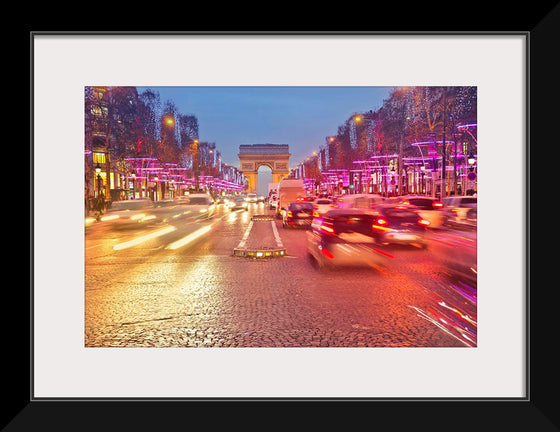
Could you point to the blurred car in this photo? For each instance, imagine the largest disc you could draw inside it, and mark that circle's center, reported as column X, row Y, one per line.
column 199, row 204
column 429, row 208
column 457, row 210
column 219, row 199
column 228, row 199
column 457, row 252
column 252, row 198
column 322, row 205
column 238, row 202
column 129, row 213
column 399, row 224
column 344, row 238
column 273, row 202
column 298, row 214
column 361, row 201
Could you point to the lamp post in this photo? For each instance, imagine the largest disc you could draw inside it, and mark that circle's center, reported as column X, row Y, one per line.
column 98, row 178
column 196, row 162
column 471, row 160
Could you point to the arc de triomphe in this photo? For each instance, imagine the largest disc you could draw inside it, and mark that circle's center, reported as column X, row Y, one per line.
column 274, row 156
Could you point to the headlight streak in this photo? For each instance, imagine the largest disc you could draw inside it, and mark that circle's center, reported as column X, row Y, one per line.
column 189, row 238
column 109, row 217
column 144, row 238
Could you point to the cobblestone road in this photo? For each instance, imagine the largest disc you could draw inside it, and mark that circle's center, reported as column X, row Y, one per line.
column 203, row 296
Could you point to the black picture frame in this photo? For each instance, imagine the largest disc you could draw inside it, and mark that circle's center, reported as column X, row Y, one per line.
column 537, row 412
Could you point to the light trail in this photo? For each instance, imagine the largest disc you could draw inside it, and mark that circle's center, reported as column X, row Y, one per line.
column 189, row 238
column 144, row 238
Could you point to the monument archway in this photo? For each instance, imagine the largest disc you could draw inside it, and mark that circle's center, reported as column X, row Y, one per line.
column 253, row 156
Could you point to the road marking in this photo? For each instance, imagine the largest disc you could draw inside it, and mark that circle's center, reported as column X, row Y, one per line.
column 276, row 235
column 144, row 238
column 245, row 236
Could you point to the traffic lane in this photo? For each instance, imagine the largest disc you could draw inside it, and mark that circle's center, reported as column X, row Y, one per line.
column 103, row 240
column 202, row 296
column 175, row 219
column 131, row 293
column 155, row 256
column 227, row 301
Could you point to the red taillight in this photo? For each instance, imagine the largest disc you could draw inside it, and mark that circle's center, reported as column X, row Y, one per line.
column 379, row 225
column 423, row 222
column 327, row 253
column 437, row 204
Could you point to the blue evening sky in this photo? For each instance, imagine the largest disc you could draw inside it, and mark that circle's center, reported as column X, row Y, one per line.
column 298, row 116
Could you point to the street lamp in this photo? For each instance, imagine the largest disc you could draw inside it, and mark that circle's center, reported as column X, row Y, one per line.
column 156, row 187
column 470, row 159
column 98, row 177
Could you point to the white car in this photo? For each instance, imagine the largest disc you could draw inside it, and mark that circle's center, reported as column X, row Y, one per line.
column 359, row 201
column 460, row 209
column 252, row 198
column 128, row 213
column 273, row 202
column 199, row 204
column 429, row 208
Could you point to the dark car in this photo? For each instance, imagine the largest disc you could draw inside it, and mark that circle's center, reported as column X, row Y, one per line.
column 298, row 214
column 399, row 224
column 344, row 238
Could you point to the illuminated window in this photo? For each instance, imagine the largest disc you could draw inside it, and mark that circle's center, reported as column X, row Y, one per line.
column 98, row 158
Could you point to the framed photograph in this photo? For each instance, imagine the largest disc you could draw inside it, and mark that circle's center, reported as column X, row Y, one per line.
column 115, row 322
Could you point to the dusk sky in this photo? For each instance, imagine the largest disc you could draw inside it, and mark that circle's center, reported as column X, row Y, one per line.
column 298, row 116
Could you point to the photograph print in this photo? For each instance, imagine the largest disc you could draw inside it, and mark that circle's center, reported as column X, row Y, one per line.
column 255, row 217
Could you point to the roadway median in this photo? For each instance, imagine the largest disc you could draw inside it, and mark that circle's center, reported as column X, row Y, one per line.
column 261, row 239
